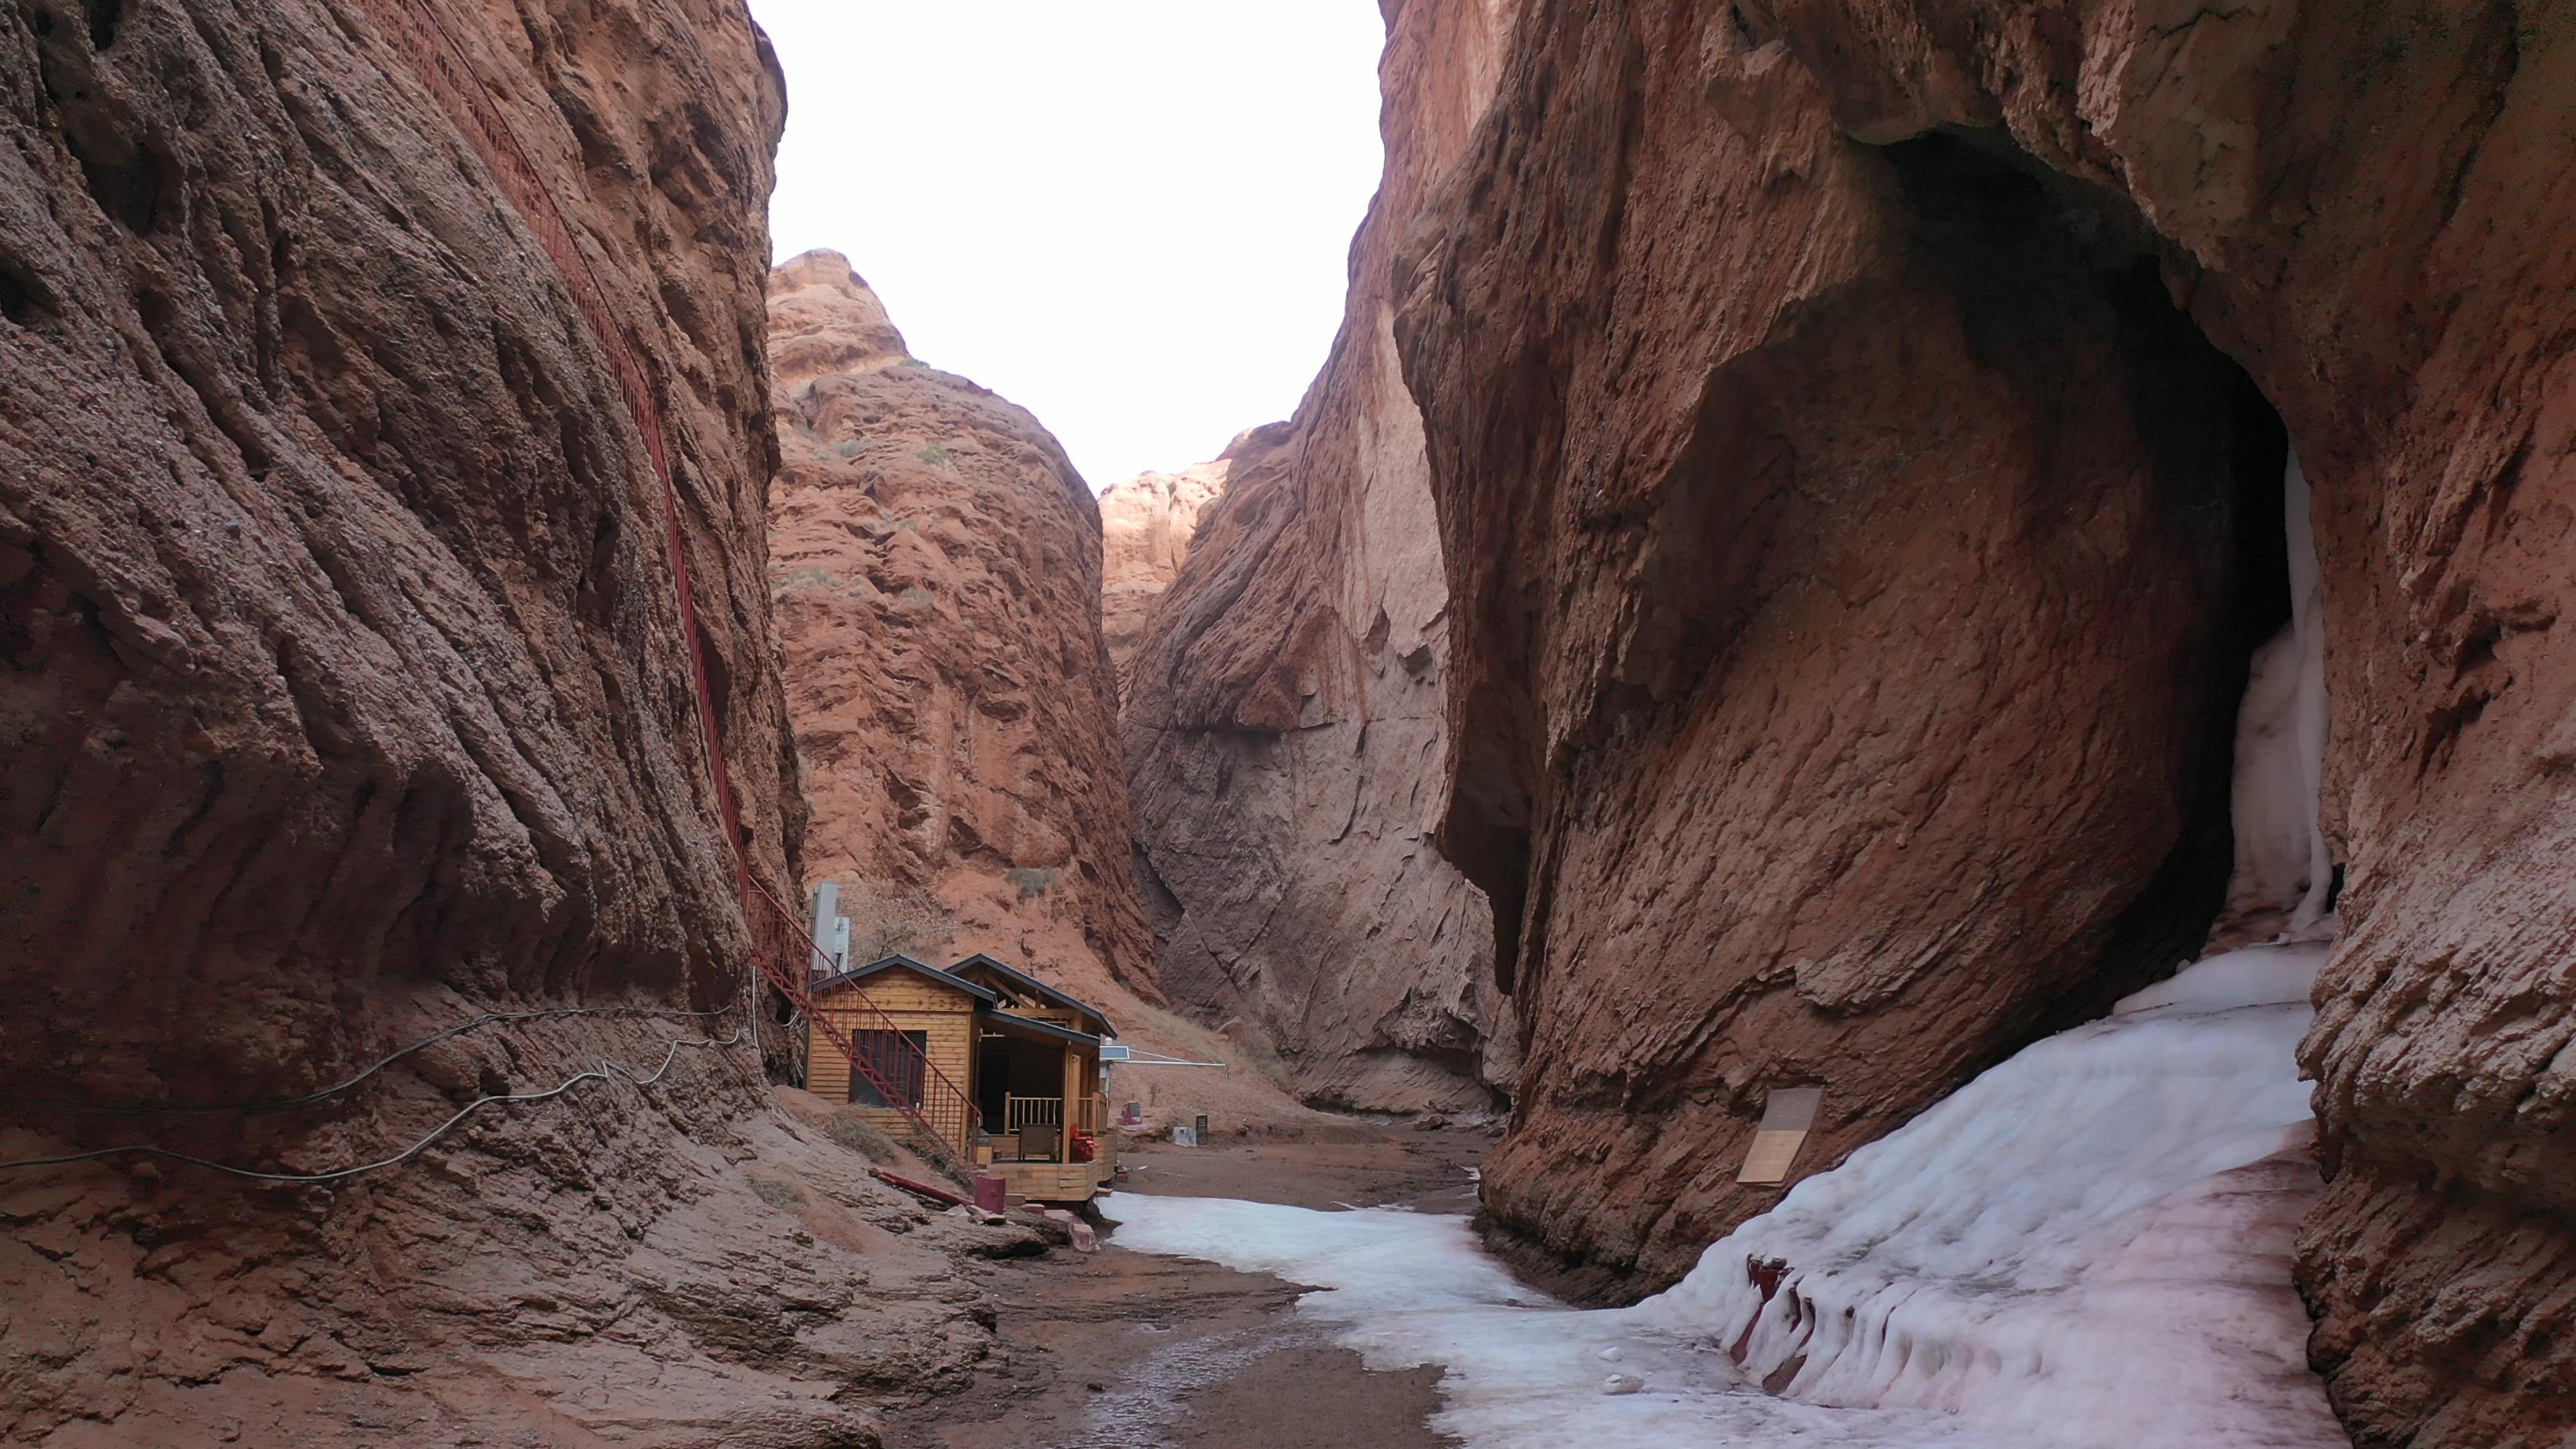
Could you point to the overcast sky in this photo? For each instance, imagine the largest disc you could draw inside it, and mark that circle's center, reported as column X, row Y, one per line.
column 1132, row 217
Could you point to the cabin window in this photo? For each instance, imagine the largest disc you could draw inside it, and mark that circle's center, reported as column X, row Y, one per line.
column 891, row 1057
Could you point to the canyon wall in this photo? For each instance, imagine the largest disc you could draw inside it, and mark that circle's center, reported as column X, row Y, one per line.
column 1145, row 528
column 937, row 564
column 1853, row 425
column 1282, row 717
column 344, row 700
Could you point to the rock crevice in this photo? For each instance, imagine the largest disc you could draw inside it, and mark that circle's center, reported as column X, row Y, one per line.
column 1282, row 713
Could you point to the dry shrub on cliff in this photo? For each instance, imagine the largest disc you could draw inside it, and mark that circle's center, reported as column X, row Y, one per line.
column 778, row 1193
column 891, row 920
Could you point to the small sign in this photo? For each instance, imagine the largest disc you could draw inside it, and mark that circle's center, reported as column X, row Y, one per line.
column 1112, row 1053
column 1787, row 1116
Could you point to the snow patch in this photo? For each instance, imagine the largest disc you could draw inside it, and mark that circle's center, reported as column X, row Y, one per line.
column 2088, row 1245
column 2283, row 973
column 2085, row 1248
column 1522, row 1372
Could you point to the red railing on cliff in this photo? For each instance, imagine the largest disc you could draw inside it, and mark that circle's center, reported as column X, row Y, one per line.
column 782, row 950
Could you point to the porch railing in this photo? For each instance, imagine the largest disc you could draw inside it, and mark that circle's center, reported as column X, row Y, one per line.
column 1090, row 1114
column 1019, row 1112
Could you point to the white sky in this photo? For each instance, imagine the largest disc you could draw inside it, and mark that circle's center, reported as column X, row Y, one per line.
column 1132, row 217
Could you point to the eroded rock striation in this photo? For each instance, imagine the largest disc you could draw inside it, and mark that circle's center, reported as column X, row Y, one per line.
column 1145, row 528
column 1283, row 720
column 344, row 699
column 1853, row 426
column 937, row 564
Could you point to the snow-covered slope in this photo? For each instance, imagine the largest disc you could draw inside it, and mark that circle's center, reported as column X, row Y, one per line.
column 2085, row 1248
column 2089, row 1244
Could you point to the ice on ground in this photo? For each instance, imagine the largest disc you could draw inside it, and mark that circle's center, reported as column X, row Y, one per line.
column 1522, row 1372
column 2283, row 973
column 2085, row 1248
column 2089, row 1244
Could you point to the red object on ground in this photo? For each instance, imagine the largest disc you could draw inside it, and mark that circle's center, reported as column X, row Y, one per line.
column 920, row 1189
column 1084, row 1239
column 989, row 1193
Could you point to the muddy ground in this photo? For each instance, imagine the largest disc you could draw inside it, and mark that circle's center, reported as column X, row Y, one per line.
column 1123, row 1350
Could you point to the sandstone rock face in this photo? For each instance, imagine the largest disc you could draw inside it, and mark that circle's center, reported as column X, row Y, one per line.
column 342, row 658
column 936, row 561
column 1854, row 547
column 1145, row 529
column 343, row 698
column 1283, row 722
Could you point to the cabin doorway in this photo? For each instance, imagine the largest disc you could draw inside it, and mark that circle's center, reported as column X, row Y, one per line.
column 1020, row 1092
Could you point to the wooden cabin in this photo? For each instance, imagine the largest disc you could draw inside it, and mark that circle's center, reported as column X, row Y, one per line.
column 915, row 1025
column 1025, row 1055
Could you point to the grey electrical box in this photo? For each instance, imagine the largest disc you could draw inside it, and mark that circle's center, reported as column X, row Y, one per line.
column 827, row 909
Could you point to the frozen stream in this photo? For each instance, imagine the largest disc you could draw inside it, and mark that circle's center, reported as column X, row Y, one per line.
column 2085, row 1248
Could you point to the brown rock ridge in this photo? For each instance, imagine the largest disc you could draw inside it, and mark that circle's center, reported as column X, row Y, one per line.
column 936, row 561
column 937, row 565
column 1145, row 529
column 343, row 699
column 1283, row 721
column 1852, row 547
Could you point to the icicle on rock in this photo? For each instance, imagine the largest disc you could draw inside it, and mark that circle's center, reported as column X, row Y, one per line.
column 2283, row 872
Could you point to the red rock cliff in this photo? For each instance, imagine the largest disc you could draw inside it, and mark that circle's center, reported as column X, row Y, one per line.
column 937, row 564
column 1853, row 425
column 1283, row 723
column 1146, row 524
column 343, row 698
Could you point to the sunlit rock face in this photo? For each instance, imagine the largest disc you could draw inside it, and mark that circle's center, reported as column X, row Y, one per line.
column 1146, row 524
column 937, row 565
column 1283, row 722
column 1844, row 525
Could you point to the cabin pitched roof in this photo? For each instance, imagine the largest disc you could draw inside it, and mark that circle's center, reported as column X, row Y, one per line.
column 1003, row 1023
column 1025, row 982
column 856, row 974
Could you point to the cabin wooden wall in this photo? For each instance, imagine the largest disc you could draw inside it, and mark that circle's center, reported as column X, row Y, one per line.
column 945, row 1017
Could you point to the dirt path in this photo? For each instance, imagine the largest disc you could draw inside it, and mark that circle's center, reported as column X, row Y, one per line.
column 1124, row 1350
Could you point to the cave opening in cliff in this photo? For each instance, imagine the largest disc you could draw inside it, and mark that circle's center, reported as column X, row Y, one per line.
column 2031, row 257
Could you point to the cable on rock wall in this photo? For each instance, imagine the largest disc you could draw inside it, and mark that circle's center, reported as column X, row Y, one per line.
column 605, row 1071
